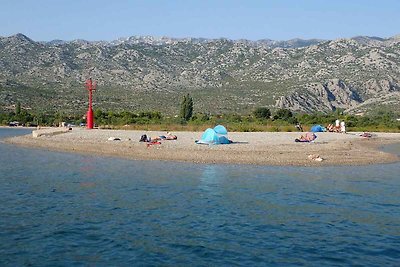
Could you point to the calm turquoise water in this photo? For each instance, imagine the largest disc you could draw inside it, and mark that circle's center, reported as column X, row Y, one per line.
column 60, row 209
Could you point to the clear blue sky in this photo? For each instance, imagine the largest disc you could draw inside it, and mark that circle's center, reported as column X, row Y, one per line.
column 44, row 20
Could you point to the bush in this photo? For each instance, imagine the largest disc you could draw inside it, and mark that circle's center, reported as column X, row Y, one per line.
column 283, row 114
column 262, row 113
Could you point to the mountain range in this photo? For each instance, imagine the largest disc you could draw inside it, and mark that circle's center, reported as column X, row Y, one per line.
column 138, row 73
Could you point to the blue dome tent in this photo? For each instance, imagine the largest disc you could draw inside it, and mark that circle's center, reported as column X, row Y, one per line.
column 214, row 136
column 318, row 128
column 219, row 129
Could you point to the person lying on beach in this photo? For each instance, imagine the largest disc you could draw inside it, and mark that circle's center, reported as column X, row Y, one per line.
column 169, row 136
column 150, row 141
column 308, row 137
column 366, row 135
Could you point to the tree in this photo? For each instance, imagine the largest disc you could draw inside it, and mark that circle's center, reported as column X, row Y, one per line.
column 18, row 108
column 59, row 118
column 262, row 113
column 186, row 107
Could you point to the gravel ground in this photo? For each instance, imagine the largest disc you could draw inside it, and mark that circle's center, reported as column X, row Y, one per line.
column 262, row 148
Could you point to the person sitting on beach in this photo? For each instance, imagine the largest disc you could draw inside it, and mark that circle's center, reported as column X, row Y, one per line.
column 144, row 138
column 337, row 123
column 299, row 127
column 333, row 129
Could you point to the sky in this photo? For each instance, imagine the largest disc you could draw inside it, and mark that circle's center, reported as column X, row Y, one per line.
column 94, row 20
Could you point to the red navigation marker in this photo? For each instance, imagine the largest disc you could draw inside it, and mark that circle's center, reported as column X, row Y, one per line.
column 90, row 86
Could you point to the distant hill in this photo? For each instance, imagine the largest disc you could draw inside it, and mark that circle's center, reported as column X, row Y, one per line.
column 223, row 76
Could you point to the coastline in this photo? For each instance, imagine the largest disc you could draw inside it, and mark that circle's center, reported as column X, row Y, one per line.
column 259, row 148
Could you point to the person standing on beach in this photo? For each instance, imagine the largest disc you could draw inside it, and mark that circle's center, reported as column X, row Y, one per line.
column 342, row 127
column 337, row 125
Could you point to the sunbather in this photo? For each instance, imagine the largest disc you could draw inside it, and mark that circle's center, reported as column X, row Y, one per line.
column 308, row 137
column 366, row 135
column 168, row 136
column 332, row 128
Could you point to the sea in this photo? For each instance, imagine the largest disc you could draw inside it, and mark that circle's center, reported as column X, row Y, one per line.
column 63, row 209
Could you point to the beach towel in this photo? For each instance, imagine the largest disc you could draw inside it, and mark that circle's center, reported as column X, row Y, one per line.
column 301, row 141
column 151, row 143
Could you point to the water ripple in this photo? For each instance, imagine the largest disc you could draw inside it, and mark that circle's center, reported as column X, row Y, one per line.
column 59, row 209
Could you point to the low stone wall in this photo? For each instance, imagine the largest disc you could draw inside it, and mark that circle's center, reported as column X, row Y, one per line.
column 49, row 132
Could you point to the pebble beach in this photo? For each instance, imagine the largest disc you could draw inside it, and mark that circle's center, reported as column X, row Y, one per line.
column 261, row 148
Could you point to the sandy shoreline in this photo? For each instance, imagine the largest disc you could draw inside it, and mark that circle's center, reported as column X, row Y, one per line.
column 261, row 148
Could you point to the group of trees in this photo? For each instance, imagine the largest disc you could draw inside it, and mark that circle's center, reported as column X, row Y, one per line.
column 381, row 119
column 19, row 115
column 281, row 114
column 126, row 117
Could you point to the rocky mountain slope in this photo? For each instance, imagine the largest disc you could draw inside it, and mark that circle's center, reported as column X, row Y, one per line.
column 223, row 76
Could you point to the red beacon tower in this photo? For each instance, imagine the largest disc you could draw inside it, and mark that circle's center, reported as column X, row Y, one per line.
column 90, row 86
